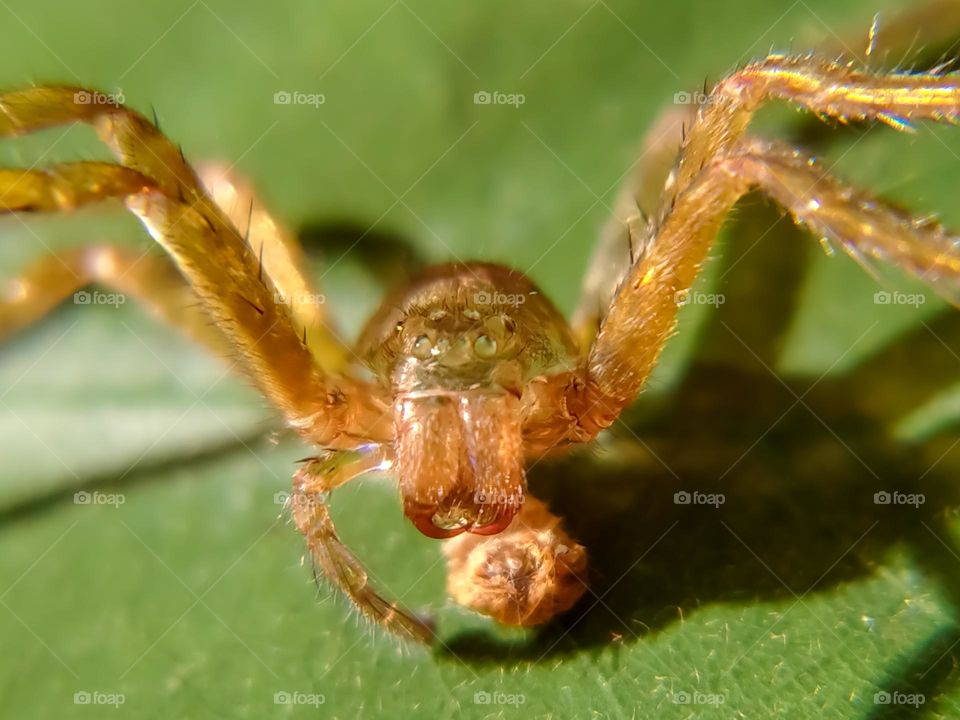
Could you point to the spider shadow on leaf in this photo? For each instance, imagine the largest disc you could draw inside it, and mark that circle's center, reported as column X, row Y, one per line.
column 777, row 494
column 389, row 257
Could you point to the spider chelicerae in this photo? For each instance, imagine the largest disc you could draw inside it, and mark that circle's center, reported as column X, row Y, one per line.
column 468, row 373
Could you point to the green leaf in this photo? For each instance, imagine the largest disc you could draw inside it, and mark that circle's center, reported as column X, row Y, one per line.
column 178, row 586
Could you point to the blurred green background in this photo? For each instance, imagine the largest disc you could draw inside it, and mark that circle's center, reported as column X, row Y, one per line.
column 799, row 596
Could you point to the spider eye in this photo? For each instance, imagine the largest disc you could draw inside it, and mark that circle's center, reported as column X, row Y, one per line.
column 422, row 347
column 485, row 346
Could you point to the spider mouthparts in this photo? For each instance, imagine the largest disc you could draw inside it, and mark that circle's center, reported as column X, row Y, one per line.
column 440, row 524
column 460, row 461
column 497, row 526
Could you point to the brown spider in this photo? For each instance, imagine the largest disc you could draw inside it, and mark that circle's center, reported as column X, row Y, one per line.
column 474, row 372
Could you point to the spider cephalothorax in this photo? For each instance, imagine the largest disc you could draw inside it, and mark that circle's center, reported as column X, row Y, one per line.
column 474, row 371
column 456, row 349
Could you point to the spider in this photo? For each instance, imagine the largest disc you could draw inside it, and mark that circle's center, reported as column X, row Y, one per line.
column 468, row 373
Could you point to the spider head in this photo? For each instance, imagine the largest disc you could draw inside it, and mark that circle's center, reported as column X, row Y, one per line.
column 456, row 349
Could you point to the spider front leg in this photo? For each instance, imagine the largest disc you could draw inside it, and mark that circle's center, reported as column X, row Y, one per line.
column 281, row 258
column 308, row 502
column 643, row 314
column 230, row 279
column 825, row 88
column 151, row 279
column 714, row 169
column 625, row 235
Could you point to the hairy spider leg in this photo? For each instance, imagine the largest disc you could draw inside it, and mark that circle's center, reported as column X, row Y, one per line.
column 282, row 258
column 626, row 233
column 222, row 269
column 311, row 514
column 643, row 313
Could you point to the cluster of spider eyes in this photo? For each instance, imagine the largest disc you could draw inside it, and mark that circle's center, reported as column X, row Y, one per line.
column 484, row 347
